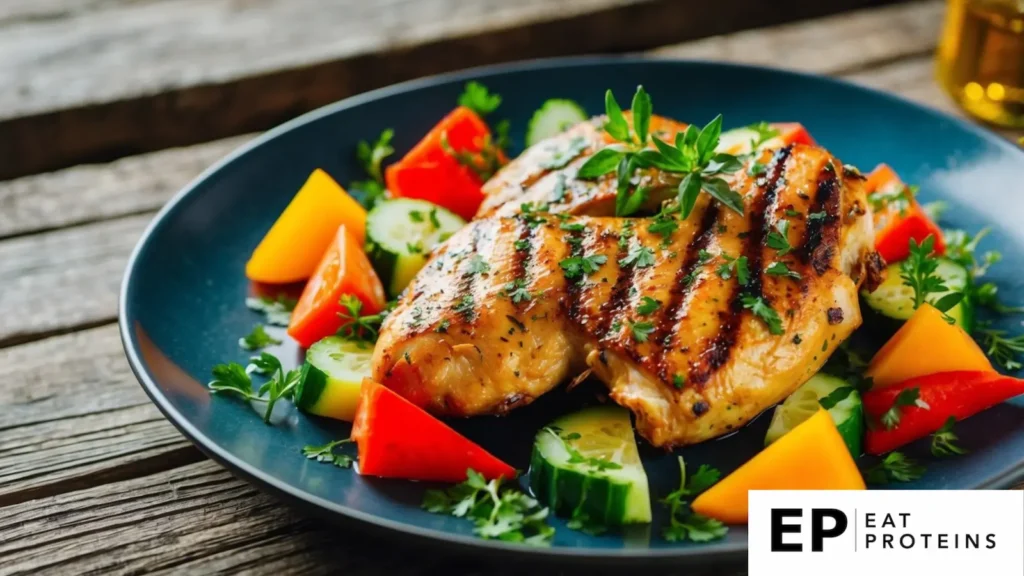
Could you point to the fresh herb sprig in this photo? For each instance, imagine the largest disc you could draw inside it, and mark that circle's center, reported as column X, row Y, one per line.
column 371, row 156
column 327, row 454
column 692, row 157
column 491, row 154
column 906, row 397
column 895, row 467
column 479, row 99
column 232, row 378
column 918, row 272
column 1002, row 348
column 278, row 311
column 500, row 513
column 575, row 456
column 764, row 311
column 257, row 339
column 944, row 440
column 684, row 523
column 357, row 327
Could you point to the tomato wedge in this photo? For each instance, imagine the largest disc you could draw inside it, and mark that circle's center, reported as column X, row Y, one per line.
column 898, row 216
column 399, row 440
column 793, row 133
column 343, row 269
column 429, row 172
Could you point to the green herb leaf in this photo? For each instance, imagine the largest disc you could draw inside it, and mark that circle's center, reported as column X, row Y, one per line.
column 918, row 271
column 719, row 190
column 684, row 523
column 616, row 125
column 479, row 99
column 516, row 290
column 641, row 330
column 906, row 397
column 944, row 440
column 781, row 269
column 836, row 396
column 371, row 156
column 1002, row 348
column 580, row 266
column 641, row 256
column 603, row 162
column 708, row 139
column 647, row 306
column 560, row 158
column 257, row 339
column 477, row 265
column 689, row 189
column 641, row 109
column 278, row 310
column 232, row 378
column 778, row 239
column 895, row 467
column 762, row 310
column 357, row 327
column 327, row 454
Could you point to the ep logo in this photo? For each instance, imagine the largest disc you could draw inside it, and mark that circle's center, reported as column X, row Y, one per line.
column 821, row 522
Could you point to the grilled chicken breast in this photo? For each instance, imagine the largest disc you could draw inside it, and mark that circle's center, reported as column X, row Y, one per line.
column 696, row 331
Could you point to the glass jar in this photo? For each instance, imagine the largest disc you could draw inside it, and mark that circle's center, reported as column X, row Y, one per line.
column 981, row 59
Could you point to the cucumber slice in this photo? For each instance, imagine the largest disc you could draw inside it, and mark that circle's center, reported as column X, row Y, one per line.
column 400, row 234
column 848, row 414
column 738, row 141
column 567, row 471
column 553, row 117
column 332, row 377
column 893, row 301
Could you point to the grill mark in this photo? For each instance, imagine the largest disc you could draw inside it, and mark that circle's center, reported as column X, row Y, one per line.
column 522, row 258
column 667, row 324
column 617, row 299
column 822, row 234
column 573, row 287
column 720, row 348
column 467, row 285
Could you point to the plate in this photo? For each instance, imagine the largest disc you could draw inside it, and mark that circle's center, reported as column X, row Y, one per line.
column 182, row 303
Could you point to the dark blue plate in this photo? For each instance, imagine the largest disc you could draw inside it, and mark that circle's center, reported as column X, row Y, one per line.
column 182, row 302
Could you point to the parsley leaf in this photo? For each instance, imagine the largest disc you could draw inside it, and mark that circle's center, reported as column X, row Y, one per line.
column 257, row 339
column 641, row 330
column 516, row 290
column 647, row 306
column 737, row 266
column 371, row 156
column 326, row 453
column 234, row 379
column 765, row 132
column 641, row 256
column 479, row 99
column 581, row 266
column 895, row 467
column 684, row 523
column 762, row 310
column 277, row 310
column 477, row 265
column 1003, row 349
column 497, row 512
column 779, row 238
column 906, row 397
column 918, row 271
column 781, row 269
column 357, row 327
column 943, row 440
column 576, row 457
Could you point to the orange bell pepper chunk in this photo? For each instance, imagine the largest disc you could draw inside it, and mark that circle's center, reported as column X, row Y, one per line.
column 429, row 172
column 925, row 344
column 292, row 248
column 400, row 440
column 899, row 218
column 343, row 269
column 811, row 456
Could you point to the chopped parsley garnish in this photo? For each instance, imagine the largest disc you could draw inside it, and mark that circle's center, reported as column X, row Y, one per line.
column 765, row 132
column 497, row 512
column 466, row 307
column 792, row 213
column 692, row 157
column 678, row 380
column 762, row 310
column 356, row 326
column 442, row 327
column 895, row 467
column 234, row 379
column 278, row 310
column 522, row 244
column 684, row 523
column 641, row 256
column 944, row 440
column 641, row 330
column 647, row 306
column 572, row 226
column 906, row 397
column 778, row 239
column 757, row 169
column 734, row 267
column 477, row 265
column 327, row 454
column 516, row 290
column 581, row 266
column 479, row 99
column 434, row 221
column 665, row 224
column 918, row 272
column 816, row 216
column 781, row 269
column 257, row 339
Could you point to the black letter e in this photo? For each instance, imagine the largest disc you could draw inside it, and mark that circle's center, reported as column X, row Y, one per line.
column 779, row 528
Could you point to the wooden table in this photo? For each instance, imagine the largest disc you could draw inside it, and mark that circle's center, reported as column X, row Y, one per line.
column 92, row 477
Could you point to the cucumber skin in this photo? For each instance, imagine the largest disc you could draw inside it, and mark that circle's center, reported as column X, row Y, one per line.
column 883, row 326
column 852, row 429
column 561, row 489
column 312, row 383
column 532, row 127
column 384, row 264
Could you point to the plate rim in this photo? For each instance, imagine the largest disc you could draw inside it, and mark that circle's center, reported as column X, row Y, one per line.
column 725, row 552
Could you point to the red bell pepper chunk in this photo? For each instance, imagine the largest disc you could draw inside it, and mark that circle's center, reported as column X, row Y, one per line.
column 429, row 172
column 957, row 394
column 793, row 133
column 898, row 216
column 344, row 269
column 400, row 440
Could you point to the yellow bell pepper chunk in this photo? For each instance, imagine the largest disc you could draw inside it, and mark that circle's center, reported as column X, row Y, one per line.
column 926, row 344
column 296, row 242
column 811, row 456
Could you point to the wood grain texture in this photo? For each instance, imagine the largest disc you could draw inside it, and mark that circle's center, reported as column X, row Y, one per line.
column 95, row 192
column 64, row 280
column 72, row 415
column 92, row 85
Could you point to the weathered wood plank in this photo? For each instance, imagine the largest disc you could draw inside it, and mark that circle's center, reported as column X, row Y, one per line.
column 64, row 280
column 95, row 192
column 94, row 85
column 72, row 415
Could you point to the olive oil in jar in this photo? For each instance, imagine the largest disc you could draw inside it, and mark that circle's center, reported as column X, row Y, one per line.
column 981, row 59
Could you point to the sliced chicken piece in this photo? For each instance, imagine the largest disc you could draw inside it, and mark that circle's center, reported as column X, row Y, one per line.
column 696, row 331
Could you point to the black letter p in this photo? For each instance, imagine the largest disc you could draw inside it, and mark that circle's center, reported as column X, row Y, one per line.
column 818, row 532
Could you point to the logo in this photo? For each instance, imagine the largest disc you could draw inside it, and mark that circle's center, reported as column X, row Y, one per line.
column 886, row 532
